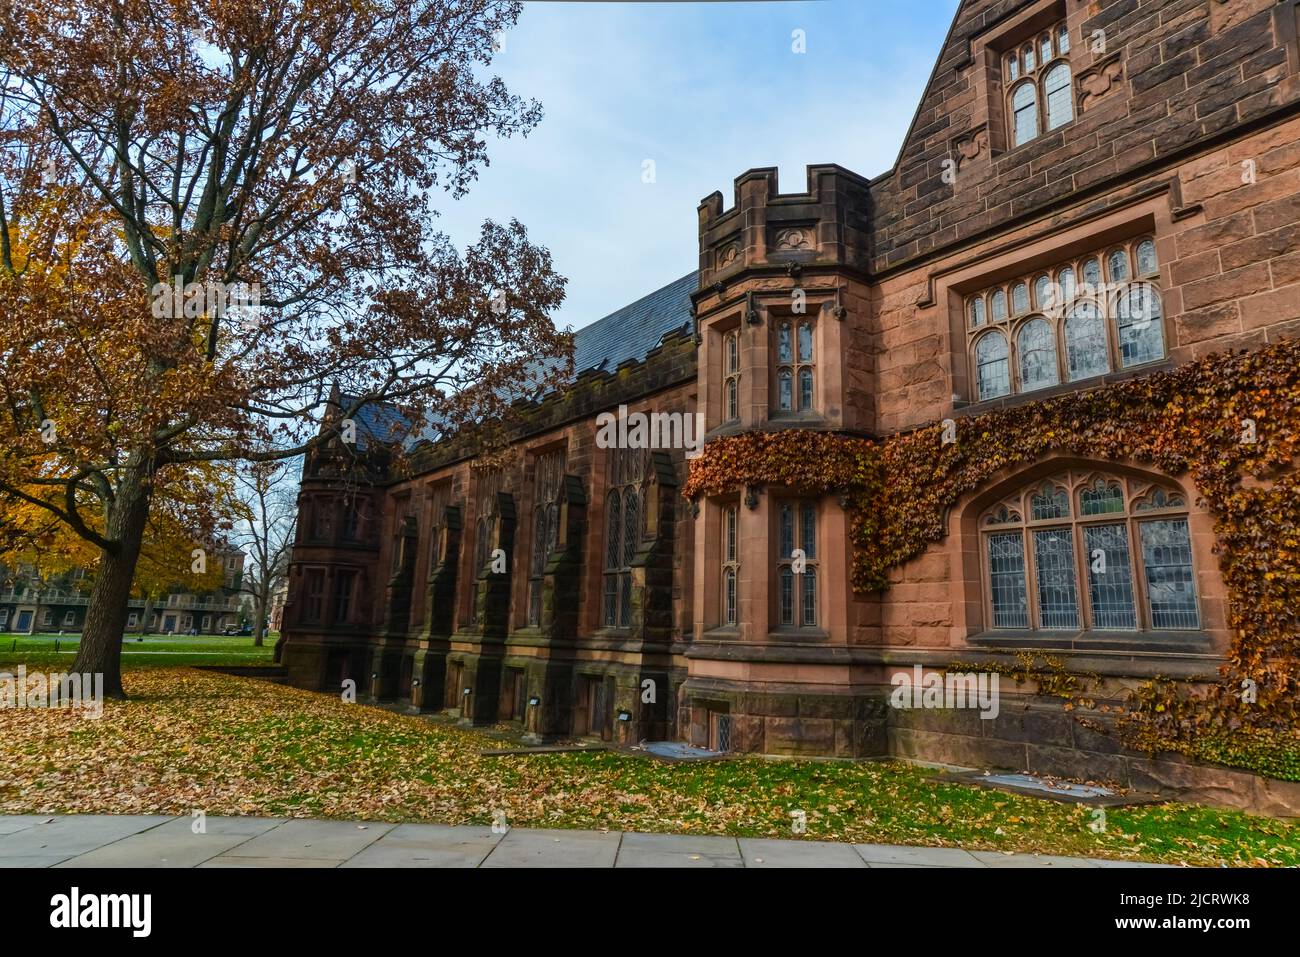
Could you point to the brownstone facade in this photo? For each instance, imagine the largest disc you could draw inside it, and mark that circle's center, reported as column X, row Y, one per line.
column 1090, row 191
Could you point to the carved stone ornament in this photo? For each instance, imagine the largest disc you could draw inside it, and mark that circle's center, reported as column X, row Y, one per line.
column 971, row 146
column 795, row 238
column 1099, row 82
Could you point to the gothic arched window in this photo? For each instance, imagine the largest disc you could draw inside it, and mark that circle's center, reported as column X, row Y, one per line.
column 1084, row 551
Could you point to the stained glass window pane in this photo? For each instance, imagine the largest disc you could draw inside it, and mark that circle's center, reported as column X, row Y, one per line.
column 1044, row 48
column 1007, row 578
column 786, row 596
column 805, row 342
column 1141, row 331
column 1085, row 343
column 1092, row 272
column 1060, row 96
column 539, row 542
column 1049, row 502
column 784, row 348
column 977, row 312
column 1118, row 265
column 992, row 368
column 611, row 601
column 625, row 600
column 999, row 305
column 1020, row 298
column 1146, row 258
column 1058, row 605
column 805, row 389
column 1110, row 577
column 1037, row 356
column 809, row 598
column 808, row 531
column 1167, row 564
column 729, row 597
column 1161, row 499
column 631, row 526
column 1024, row 106
column 787, row 532
column 1063, row 39
column 1042, row 292
column 1065, row 278
column 1101, row 498
column 614, row 513
column 784, row 391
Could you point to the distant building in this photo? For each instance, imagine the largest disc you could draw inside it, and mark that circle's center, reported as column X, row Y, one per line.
column 60, row 605
column 278, row 598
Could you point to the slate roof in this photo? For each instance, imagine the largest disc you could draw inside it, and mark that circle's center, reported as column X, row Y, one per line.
column 627, row 333
column 631, row 332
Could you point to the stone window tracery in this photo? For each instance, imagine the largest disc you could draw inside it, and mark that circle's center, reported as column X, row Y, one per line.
column 1039, row 85
column 1087, row 551
column 624, row 525
column 1060, row 330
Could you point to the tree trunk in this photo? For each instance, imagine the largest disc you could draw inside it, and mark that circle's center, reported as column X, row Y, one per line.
column 101, row 639
column 259, row 624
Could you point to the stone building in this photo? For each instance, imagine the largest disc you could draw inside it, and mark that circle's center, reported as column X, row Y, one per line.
column 29, row 605
column 1091, row 191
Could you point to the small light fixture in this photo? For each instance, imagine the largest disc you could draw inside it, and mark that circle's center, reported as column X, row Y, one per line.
column 465, row 692
column 415, row 682
column 374, row 675
column 534, row 701
column 625, row 716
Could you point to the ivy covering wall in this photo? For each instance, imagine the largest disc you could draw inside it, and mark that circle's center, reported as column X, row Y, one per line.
column 1231, row 422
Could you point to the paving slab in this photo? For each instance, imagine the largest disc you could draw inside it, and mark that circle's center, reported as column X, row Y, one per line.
column 1106, row 862
column 162, row 841
column 20, row 822
column 678, row 850
column 70, row 835
column 541, row 848
column 998, row 859
column 175, row 844
column 916, row 867
column 428, row 845
column 34, row 860
column 225, row 860
column 769, row 852
column 316, row 840
column 875, row 854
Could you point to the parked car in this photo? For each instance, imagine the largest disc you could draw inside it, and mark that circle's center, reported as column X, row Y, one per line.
column 230, row 631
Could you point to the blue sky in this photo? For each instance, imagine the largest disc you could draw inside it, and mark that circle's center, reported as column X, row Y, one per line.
column 706, row 91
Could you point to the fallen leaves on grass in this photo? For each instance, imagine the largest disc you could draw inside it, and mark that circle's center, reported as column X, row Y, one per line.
column 190, row 740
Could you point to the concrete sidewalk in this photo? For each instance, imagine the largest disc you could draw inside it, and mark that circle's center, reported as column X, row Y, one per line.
column 101, row 840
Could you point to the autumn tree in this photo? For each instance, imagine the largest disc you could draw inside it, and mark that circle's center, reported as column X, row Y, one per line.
column 212, row 211
column 37, row 548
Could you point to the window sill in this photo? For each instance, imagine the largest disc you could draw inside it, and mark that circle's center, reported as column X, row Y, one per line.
column 796, row 633
column 723, row 633
column 787, row 417
column 1188, row 642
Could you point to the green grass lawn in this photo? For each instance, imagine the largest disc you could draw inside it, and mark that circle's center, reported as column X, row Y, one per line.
column 191, row 740
column 140, row 651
